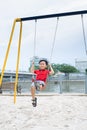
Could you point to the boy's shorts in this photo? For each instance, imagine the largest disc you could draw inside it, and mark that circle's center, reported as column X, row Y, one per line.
column 37, row 84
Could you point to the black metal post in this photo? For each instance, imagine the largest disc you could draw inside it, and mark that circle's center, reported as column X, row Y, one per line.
column 60, row 84
column 0, row 89
column 86, row 81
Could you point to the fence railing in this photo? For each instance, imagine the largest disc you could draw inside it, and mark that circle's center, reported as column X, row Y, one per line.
column 76, row 83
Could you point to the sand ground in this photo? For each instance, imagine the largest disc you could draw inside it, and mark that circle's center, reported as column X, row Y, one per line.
column 53, row 112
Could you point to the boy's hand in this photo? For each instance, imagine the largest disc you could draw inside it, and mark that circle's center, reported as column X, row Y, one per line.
column 32, row 67
column 32, row 62
column 50, row 65
column 52, row 71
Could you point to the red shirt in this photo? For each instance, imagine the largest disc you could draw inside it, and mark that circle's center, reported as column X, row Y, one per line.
column 41, row 74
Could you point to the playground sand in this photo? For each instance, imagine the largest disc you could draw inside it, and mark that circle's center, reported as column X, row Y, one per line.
column 53, row 112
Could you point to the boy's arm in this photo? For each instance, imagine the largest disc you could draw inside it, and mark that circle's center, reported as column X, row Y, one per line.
column 51, row 70
column 32, row 68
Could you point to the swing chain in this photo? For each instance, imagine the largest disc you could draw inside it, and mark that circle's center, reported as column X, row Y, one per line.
column 34, row 48
column 35, row 37
column 54, row 39
column 84, row 35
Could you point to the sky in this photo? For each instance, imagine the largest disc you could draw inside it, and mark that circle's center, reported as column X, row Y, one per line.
column 69, row 43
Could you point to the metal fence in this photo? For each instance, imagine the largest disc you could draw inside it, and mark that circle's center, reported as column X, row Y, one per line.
column 72, row 83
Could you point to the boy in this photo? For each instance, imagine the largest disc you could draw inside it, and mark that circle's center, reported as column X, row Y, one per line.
column 41, row 77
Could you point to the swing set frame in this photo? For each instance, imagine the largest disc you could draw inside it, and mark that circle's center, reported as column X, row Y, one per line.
column 20, row 39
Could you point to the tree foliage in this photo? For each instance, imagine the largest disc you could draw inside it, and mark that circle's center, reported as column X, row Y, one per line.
column 65, row 68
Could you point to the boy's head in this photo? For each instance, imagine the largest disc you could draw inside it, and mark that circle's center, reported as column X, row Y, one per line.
column 43, row 64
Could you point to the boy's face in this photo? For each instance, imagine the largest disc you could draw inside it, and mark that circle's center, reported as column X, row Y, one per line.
column 42, row 65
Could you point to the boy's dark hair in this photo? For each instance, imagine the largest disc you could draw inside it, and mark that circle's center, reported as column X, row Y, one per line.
column 44, row 61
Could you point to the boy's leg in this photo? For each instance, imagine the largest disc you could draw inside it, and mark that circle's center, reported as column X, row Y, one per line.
column 42, row 87
column 34, row 99
column 33, row 90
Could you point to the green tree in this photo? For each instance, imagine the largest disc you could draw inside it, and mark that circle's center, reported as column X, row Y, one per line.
column 65, row 68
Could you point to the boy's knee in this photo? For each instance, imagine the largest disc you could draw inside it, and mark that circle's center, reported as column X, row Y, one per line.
column 41, row 87
column 33, row 87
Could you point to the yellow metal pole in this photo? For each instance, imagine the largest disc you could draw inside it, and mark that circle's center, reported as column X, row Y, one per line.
column 7, row 52
column 18, row 60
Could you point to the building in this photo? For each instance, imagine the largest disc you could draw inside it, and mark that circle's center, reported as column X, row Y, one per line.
column 35, row 59
column 81, row 64
column 9, row 76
